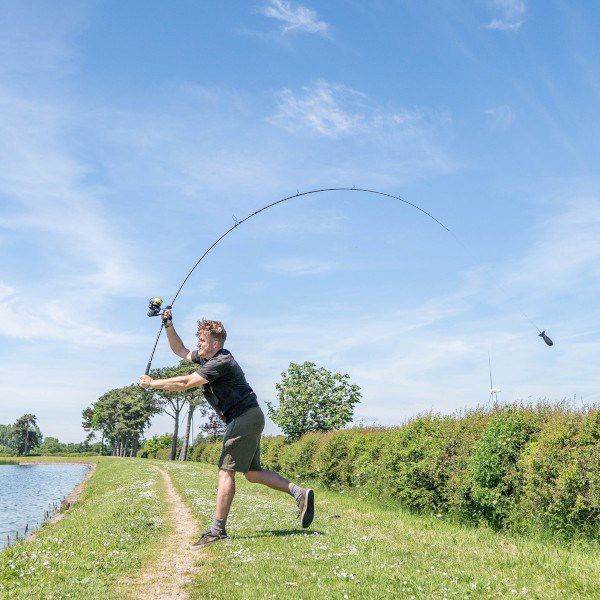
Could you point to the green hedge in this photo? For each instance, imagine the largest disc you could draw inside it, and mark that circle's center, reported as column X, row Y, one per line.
column 520, row 468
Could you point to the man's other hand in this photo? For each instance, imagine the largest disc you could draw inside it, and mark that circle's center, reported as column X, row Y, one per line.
column 146, row 381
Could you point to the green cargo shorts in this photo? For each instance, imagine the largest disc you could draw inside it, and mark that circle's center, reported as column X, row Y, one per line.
column 241, row 442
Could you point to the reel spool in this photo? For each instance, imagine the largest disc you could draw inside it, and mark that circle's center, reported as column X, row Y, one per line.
column 154, row 306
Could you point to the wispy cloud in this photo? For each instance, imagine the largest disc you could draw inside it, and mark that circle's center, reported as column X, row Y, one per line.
column 333, row 110
column 324, row 108
column 299, row 266
column 511, row 15
column 500, row 116
column 82, row 258
column 294, row 17
column 359, row 135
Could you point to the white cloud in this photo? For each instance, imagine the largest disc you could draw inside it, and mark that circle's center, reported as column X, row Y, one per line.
column 81, row 258
column 501, row 116
column 208, row 146
column 324, row 108
column 294, row 17
column 512, row 15
column 335, row 110
column 57, row 318
column 299, row 266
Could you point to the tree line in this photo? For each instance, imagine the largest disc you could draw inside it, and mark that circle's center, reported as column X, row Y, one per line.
column 310, row 398
column 21, row 437
column 121, row 416
column 24, row 437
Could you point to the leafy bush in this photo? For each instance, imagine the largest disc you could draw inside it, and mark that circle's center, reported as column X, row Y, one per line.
column 154, row 444
column 163, row 454
column 6, row 451
column 494, row 473
column 522, row 468
column 561, row 477
column 197, row 450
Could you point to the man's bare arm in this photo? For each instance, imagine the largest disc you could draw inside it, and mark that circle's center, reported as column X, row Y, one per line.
column 174, row 340
column 173, row 384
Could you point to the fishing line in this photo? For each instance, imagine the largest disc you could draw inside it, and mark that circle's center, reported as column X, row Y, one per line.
column 156, row 303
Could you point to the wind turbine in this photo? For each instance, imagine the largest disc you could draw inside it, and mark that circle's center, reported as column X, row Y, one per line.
column 493, row 391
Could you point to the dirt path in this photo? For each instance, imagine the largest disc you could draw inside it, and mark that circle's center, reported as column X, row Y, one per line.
column 166, row 576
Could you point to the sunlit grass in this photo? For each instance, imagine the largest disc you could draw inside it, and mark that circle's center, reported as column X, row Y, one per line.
column 359, row 548
column 104, row 536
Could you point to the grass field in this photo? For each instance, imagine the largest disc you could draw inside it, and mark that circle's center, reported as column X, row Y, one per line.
column 104, row 536
column 356, row 548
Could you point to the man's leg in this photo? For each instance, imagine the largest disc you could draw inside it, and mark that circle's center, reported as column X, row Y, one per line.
column 270, row 479
column 304, row 497
column 225, row 494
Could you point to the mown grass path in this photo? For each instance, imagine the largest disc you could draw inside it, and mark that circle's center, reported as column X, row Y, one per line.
column 358, row 548
column 167, row 576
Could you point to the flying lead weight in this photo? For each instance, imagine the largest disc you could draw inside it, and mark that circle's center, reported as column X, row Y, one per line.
column 548, row 341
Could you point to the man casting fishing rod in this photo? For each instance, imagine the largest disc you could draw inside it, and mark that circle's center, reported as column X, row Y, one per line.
column 227, row 391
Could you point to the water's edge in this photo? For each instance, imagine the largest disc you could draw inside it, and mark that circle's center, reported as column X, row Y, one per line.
column 35, row 517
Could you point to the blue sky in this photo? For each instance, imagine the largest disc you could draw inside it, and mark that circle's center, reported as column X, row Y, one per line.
column 131, row 134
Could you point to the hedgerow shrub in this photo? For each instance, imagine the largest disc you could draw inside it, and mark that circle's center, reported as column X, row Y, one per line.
column 561, row 477
column 520, row 468
column 297, row 458
column 494, row 474
column 198, row 450
column 163, row 454
column 271, row 449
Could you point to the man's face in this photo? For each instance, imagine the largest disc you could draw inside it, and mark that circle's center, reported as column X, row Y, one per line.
column 207, row 346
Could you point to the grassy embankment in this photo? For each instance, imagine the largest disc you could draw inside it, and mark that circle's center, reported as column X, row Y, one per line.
column 361, row 548
column 104, row 536
column 367, row 550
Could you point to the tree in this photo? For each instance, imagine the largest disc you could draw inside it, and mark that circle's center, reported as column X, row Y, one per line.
column 312, row 398
column 26, row 435
column 193, row 404
column 214, row 428
column 6, row 440
column 121, row 415
column 51, row 445
column 155, row 443
column 172, row 403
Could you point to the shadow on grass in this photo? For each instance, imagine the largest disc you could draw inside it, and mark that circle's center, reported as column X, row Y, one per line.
column 262, row 533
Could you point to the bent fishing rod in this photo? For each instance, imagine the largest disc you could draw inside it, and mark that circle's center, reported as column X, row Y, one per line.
column 155, row 304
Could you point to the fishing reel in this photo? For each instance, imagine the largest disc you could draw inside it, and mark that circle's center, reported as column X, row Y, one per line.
column 154, row 306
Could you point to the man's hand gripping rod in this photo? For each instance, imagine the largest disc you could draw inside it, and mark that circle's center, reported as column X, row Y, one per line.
column 154, row 306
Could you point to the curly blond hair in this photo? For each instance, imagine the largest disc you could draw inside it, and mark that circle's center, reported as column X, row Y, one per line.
column 214, row 329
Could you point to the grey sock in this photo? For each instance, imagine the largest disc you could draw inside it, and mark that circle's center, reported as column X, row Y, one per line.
column 218, row 526
column 296, row 492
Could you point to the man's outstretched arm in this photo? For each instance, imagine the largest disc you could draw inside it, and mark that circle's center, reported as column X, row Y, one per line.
column 174, row 340
column 173, row 384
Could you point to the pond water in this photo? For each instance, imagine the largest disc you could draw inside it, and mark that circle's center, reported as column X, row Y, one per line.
column 27, row 491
